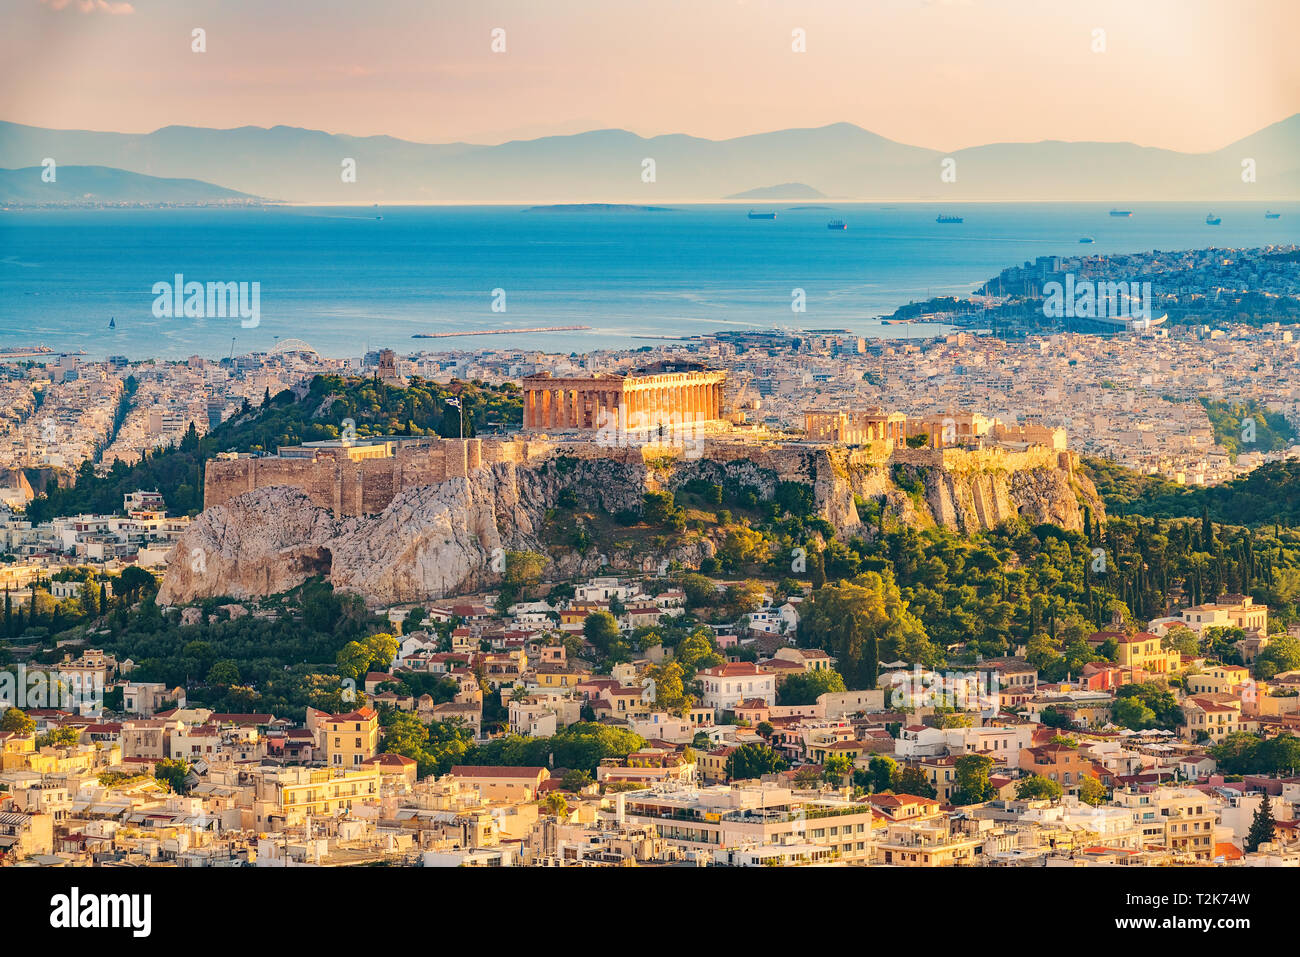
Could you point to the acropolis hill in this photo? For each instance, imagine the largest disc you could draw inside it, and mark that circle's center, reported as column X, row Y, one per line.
column 408, row 518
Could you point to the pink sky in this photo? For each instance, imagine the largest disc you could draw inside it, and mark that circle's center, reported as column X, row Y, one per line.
column 1182, row 74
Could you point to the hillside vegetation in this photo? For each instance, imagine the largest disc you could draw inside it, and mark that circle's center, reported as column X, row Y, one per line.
column 288, row 419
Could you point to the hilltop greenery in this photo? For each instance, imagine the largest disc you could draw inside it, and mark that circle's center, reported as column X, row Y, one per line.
column 1233, row 431
column 1268, row 495
column 288, row 418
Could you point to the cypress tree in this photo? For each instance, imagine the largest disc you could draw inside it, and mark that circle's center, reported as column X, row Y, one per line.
column 1261, row 826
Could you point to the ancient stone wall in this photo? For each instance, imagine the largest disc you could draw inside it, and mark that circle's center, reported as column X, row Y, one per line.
column 333, row 480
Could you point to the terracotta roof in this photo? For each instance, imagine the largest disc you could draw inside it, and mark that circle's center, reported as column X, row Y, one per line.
column 733, row 669
column 494, row 771
column 388, row 759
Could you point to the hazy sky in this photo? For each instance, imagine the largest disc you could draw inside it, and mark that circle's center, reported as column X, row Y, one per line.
column 1182, row 74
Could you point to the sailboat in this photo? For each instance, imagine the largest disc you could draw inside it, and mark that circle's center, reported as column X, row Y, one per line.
column 112, row 323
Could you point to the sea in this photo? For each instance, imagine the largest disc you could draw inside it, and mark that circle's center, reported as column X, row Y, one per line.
column 347, row 280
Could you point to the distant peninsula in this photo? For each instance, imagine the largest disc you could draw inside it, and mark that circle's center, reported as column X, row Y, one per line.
column 781, row 191
column 91, row 186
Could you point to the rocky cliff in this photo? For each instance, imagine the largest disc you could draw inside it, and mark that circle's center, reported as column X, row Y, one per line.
column 431, row 541
column 451, row 538
column 963, row 490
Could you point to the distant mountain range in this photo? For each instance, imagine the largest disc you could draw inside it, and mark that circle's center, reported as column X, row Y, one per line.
column 95, row 185
column 841, row 161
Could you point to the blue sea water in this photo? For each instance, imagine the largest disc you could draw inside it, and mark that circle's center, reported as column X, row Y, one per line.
column 346, row 281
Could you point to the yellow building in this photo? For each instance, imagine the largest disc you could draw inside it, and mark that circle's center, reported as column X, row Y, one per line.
column 1214, row 716
column 1181, row 820
column 286, row 797
column 559, row 676
column 1143, row 650
column 1217, row 679
column 349, row 739
column 15, row 749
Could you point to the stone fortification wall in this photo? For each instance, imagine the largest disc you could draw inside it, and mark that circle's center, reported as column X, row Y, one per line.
column 331, row 479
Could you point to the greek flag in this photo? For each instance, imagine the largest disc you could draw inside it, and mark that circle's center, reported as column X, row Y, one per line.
column 454, row 402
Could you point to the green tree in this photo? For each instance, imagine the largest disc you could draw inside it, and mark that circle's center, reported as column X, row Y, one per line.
column 224, row 672
column 1262, row 826
column 1282, row 654
column 700, row 591
column 17, row 722
column 356, row 658
column 882, row 774
column 805, row 688
column 753, row 761
column 172, row 772
column 972, row 778
column 575, row 779
column 836, row 768
column 523, row 570
column 1092, row 791
column 670, row 691
column 697, row 650
column 914, row 781
column 555, row 805
column 1133, row 714
column 64, row 737
column 1035, row 787
column 1183, row 640
column 844, row 619
column 600, row 628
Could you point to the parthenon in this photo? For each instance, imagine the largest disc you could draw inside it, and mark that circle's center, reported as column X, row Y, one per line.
column 650, row 399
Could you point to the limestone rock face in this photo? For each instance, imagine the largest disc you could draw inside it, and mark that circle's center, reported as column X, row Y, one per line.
column 451, row 538
column 260, row 543
column 431, row 541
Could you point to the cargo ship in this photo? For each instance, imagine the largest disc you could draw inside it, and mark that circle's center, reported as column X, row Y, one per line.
column 1269, row 214
column 1212, row 220
column 948, row 219
column 1121, row 212
column 754, row 215
column 837, row 224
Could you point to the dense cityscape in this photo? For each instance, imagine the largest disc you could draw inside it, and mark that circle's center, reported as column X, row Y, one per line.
column 671, row 683
column 829, row 442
